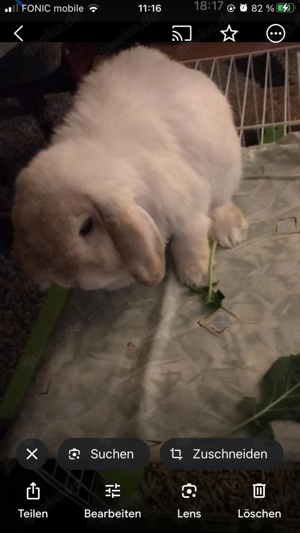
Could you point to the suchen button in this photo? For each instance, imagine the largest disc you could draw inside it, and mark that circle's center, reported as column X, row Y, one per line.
column 103, row 454
column 32, row 454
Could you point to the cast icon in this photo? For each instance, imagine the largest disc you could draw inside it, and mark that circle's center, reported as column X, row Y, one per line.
column 181, row 32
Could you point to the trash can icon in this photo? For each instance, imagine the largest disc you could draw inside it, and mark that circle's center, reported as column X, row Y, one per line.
column 259, row 490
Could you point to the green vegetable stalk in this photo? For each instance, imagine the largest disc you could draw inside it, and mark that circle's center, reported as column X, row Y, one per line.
column 209, row 296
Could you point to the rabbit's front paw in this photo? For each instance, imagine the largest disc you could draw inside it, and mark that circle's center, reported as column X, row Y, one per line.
column 190, row 250
column 193, row 274
column 228, row 225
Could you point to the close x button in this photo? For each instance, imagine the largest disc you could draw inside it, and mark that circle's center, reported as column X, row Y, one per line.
column 32, row 454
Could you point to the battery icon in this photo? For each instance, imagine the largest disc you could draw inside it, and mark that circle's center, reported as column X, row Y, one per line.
column 285, row 8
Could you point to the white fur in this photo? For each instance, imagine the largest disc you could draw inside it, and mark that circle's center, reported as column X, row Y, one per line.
column 147, row 129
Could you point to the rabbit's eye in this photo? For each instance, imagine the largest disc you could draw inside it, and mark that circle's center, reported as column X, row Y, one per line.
column 86, row 227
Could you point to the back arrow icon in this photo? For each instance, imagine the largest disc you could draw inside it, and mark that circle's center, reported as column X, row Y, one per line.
column 16, row 33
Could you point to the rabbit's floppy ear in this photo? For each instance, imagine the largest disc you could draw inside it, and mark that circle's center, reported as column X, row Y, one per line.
column 137, row 239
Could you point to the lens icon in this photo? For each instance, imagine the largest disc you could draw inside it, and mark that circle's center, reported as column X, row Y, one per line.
column 74, row 453
column 188, row 491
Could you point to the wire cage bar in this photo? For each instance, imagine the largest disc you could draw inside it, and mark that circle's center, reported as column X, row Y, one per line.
column 263, row 88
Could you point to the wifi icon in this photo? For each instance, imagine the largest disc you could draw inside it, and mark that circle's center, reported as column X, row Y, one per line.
column 93, row 7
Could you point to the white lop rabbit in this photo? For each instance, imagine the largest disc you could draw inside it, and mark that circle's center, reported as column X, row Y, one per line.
column 147, row 155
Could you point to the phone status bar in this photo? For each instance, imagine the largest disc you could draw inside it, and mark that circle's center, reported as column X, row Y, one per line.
column 117, row 10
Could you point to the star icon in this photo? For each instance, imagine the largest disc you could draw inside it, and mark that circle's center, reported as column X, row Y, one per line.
column 229, row 34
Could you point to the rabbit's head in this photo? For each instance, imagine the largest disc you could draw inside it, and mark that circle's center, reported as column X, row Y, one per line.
column 72, row 228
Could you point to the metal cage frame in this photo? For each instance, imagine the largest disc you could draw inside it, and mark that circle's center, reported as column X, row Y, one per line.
column 246, row 94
